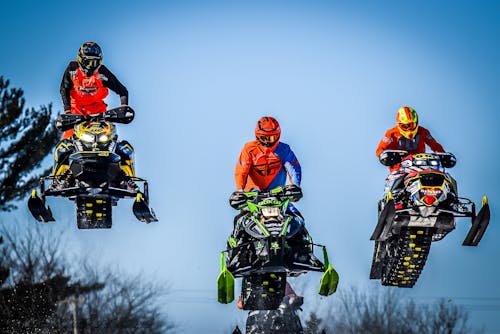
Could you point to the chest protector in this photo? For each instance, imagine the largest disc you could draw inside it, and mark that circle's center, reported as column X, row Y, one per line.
column 88, row 93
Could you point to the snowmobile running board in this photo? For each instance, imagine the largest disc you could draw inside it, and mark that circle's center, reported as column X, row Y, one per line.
column 479, row 225
column 37, row 207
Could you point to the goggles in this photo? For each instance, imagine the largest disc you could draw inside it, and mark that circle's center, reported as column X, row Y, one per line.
column 407, row 126
column 91, row 62
column 268, row 139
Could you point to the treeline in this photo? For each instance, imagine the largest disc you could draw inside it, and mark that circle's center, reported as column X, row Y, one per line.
column 387, row 311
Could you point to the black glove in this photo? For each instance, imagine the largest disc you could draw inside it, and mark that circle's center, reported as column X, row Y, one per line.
column 237, row 199
column 292, row 192
column 448, row 160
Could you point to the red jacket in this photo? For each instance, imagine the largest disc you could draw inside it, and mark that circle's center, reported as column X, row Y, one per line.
column 394, row 140
column 88, row 93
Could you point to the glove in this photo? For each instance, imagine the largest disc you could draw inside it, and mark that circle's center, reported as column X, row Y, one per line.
column 237, row 199
column 293, row 192
column 448, row 160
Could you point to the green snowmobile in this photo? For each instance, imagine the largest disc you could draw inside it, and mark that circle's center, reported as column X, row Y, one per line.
column 268, row 245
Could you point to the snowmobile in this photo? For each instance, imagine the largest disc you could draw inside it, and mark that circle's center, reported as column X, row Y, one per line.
column 419, row 208
column 96, row 179
column 284, row 320
column 267, row 249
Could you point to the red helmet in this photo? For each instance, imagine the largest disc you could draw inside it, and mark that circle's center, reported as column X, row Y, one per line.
column 407, row 120
column 267, row 131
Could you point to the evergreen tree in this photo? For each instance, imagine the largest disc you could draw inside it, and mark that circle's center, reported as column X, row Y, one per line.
column 27, row 136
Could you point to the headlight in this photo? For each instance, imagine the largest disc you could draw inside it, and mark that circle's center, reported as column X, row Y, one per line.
column 103, row 138
column 270, row 212
column 87, row 138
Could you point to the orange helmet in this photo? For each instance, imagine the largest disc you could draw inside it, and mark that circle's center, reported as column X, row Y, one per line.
column 407, row 120
column 267, row 131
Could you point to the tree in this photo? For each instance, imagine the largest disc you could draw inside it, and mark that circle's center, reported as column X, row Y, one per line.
column 313, row 325
column 36, row 280
column 27, row 136
column 389, row 311
column 127, row 304
column 40, row 282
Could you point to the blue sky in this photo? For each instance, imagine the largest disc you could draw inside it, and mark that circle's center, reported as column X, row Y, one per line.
column 200, row 74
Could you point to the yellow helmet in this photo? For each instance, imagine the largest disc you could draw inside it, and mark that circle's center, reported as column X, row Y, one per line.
column 407, row 121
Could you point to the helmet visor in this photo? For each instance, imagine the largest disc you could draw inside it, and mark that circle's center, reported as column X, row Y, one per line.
column 268, row 139
column 91, row 62
column 408, row 126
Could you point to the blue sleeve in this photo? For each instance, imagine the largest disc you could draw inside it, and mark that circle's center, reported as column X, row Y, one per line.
column 290, row 163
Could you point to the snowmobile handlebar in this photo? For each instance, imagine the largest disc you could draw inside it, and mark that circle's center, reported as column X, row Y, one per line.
column 393, row 157
column 122, row 114
column 292, row 192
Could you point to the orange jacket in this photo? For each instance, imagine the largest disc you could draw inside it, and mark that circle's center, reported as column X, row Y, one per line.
column 88, row 94
column 265, row 168
column 394, row 140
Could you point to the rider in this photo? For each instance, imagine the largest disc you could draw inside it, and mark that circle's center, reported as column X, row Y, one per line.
column 266, row 163
column 84, row 87
column 407, row 135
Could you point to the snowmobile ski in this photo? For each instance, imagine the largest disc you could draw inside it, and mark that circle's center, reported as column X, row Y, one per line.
column 330, row 279
column 142, row 211
column 225, row 283
column 479, row 225
column 37, row 207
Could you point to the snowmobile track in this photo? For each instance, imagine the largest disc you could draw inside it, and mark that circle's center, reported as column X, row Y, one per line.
column 410, row 254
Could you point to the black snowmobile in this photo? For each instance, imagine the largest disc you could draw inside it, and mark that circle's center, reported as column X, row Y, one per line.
column 96, row 180
column 284, row 320
column 266, row 249
column 420, row 208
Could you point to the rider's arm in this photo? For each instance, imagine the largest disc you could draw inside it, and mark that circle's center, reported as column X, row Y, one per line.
column 431, row 142
column 242, row 168
column 385, row 143
column 290, row 162
column 114, row 84
column 66, row 85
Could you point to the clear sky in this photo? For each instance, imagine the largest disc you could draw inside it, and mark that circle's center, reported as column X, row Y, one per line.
column 200, row 74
